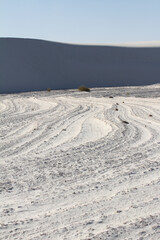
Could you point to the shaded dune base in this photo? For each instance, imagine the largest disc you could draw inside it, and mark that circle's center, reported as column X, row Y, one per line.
column 27, row 65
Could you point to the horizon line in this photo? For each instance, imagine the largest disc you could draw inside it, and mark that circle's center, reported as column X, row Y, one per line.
column 153, row 43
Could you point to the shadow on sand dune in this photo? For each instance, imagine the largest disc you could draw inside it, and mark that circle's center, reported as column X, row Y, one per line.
column 28, row 65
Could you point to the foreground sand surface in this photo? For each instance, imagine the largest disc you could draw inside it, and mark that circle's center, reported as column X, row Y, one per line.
column 78, row 165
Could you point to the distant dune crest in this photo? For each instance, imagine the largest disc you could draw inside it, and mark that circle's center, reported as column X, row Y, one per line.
column 123, row 44
column 139, row 44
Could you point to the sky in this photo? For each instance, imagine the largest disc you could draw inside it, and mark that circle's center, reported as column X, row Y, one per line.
column 81, row 21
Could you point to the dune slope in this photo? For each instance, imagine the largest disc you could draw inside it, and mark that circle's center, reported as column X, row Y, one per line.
column 27, row 65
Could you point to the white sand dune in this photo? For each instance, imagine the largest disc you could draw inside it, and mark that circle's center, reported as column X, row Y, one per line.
column 72, row 168
column 28, row 65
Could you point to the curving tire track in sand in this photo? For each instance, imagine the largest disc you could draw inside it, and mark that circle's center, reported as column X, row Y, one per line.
column 75, row 166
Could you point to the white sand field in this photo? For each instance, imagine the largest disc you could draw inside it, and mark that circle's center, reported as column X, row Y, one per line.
column 80, row 166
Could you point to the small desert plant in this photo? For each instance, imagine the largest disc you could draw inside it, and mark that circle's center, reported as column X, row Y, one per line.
column 48, row 89
column 125, row 122
column 83, row 88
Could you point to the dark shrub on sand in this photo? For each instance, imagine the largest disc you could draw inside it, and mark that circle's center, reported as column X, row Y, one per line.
column 83, row 88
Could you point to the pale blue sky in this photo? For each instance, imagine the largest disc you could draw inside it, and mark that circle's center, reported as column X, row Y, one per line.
column 81, row 21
